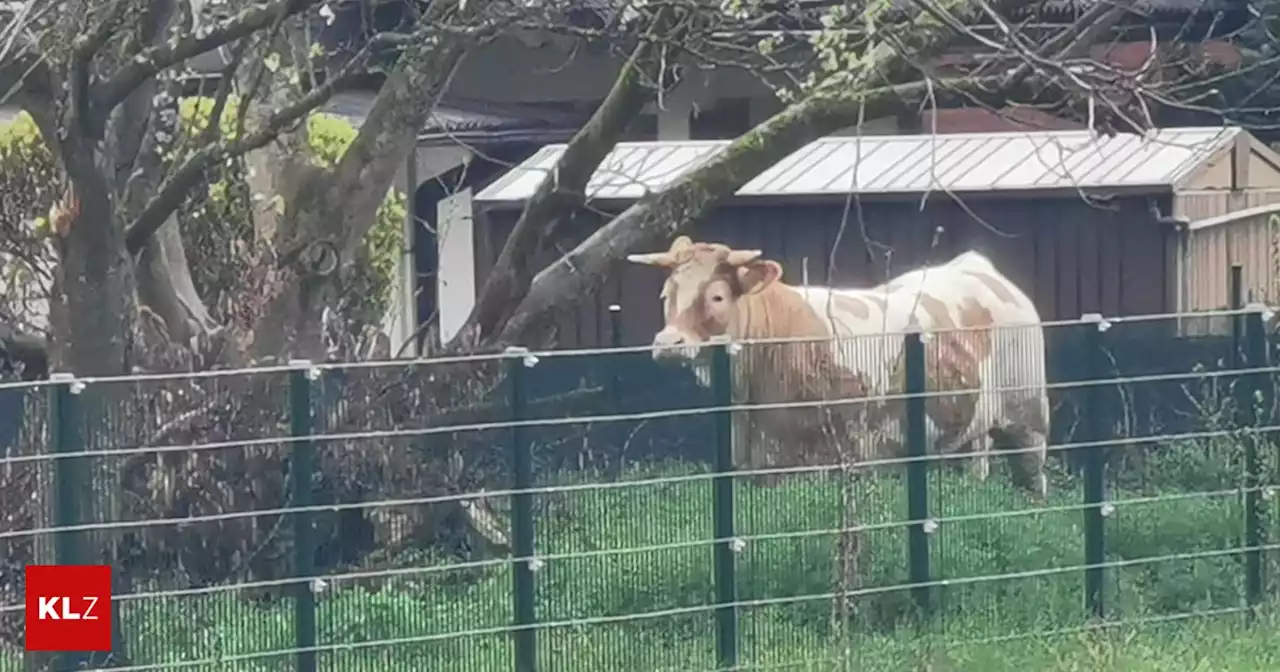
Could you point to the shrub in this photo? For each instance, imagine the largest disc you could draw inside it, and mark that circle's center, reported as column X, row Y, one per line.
column 28, row 186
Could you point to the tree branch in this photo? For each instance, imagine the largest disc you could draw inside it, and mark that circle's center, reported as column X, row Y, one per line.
column 565, row 191
column 83, row 49
column 18, row 66
column 173, row 190
column 249, row 94
column 403, row 104
column 86, row 47
column 155, row 59
column 657, row 217
column 1076, row 40
column 213, row 128
column 833, row 105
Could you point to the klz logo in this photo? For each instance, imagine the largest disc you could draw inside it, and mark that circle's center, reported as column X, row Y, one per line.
column 59, row 609
column 68, row 608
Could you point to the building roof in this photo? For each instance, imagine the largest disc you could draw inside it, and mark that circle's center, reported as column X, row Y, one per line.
column 906, row 164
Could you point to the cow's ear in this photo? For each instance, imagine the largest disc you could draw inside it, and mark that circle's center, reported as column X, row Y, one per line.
column 758, row 275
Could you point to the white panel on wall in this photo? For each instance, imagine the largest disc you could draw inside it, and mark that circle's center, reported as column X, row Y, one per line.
column 457, row 273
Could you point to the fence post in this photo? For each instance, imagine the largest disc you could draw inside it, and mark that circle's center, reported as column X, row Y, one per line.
column 1256, row 414
column 301, row 469
column 70, row 486
column 617, row 432
column 724, row 554
column 615, row 341
column 917, row 470
column 522, row 530
column 1097, row 429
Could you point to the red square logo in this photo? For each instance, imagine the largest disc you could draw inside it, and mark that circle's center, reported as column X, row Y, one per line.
column 68, row 608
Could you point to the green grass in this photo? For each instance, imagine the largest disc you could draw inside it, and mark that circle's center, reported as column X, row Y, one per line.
column 1002, row 597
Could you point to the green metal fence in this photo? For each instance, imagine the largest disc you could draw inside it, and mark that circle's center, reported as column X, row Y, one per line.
column 344, row 518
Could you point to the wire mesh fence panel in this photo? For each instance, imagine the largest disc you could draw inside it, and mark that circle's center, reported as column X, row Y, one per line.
column 26, row 488
column 1175, row 524
column 163, row 480
column 623, row 522
column 759, row 506
column 821, row 533
column 999, row 542
column 208, row 505
column 416, row 575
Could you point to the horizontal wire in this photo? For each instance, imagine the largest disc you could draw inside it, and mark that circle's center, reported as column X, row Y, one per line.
column 617, row 485
column 589, row 352
column 639, row 483
column 346, row 577
column 612, row 417
column 705, row 608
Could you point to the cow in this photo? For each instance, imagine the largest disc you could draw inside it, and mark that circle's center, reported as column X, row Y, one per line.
column 984, row 358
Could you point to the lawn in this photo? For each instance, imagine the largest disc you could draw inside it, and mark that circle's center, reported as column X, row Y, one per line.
column 627, row 576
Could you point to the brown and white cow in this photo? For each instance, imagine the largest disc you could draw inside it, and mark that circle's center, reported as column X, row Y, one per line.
column 984, row 352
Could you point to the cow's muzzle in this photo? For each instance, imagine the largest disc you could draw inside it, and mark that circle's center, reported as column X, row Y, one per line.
column 672, row 345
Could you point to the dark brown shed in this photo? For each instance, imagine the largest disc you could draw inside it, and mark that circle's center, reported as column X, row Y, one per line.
column 1124, row 225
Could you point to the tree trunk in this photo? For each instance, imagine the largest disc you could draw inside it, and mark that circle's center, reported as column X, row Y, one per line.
column 274, row 171
column 95, row 278
column 166, row 288
column 333, row 210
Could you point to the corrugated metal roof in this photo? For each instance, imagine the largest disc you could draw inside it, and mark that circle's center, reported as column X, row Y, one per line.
column 886, row 164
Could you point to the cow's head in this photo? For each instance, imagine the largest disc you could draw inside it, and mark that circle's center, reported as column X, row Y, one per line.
column 705, row 286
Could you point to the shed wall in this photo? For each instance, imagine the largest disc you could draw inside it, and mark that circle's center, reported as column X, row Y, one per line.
column 1251, row 243
column 1211, row 251
column 1070, row 257
column 1195, row 205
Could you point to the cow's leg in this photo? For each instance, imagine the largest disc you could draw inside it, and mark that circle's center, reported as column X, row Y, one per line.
column 956, row 464
column 1024, row 436
column 954, row 447
column 980, row 464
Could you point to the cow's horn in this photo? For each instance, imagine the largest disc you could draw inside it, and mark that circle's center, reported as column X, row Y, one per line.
column 663, row 259
column 740, row 257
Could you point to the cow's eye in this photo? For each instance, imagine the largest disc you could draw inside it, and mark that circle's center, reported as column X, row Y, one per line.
column 717, row 298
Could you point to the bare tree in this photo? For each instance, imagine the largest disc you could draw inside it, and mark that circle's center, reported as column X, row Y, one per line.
column 102, row 79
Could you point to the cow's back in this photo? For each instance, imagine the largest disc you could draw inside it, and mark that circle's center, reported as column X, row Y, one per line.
column 1012, row 370
column 1008, row 340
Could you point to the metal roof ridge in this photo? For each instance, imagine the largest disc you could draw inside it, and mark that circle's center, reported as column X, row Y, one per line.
column 920, row 137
